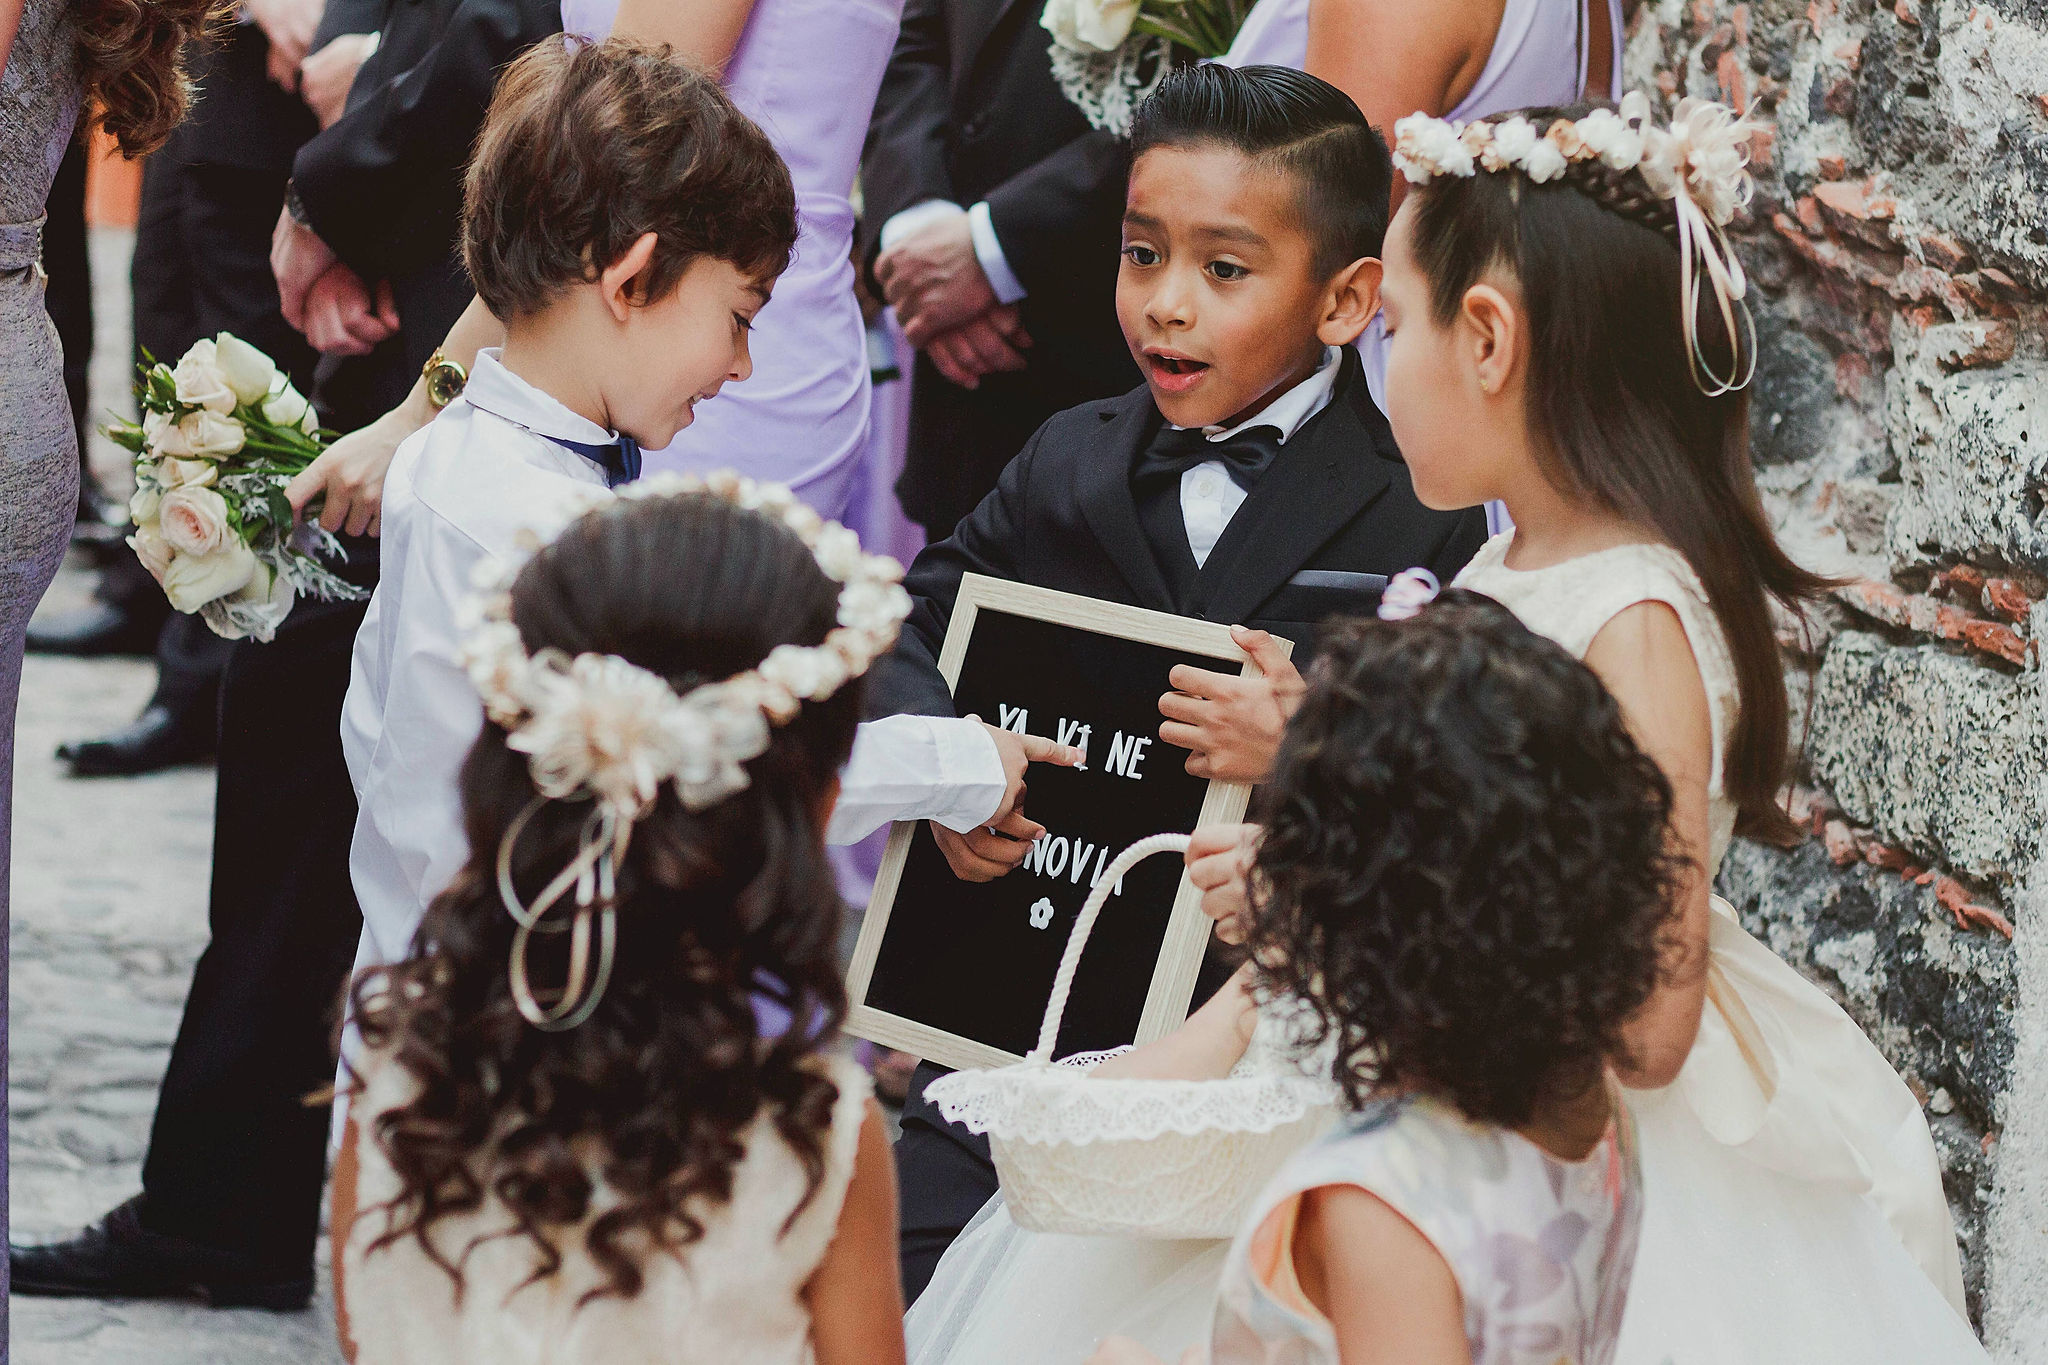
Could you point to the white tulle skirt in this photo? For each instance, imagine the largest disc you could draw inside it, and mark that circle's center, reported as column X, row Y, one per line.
column 1004, row 1295
column 1792, row 1212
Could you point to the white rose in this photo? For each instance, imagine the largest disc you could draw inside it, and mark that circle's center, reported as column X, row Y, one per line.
column 192, row 581
column 264, row 601
column 150, row 547
column 1062, row 20
column 195, row 521
column 204, row 434
column 309, row 421
column 287, row 407
column 142, row 505
column 1089, row 25
column 247, row 370
column 175, row 473
column 154, row 426
column 200, row 381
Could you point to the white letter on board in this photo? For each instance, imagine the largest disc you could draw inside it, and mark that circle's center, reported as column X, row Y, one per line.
column 1012, row 717
column 1056, row 856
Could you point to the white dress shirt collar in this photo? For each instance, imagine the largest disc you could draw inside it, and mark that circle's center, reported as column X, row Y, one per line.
column 1291, row 410
column 494, row 389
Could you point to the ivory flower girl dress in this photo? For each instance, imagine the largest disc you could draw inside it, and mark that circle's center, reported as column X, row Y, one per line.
column 1793, row 1201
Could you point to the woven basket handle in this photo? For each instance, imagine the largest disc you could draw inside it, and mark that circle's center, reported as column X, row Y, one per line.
column 1084, row 924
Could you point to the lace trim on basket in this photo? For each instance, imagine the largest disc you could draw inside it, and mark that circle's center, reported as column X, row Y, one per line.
column 1064, row 1105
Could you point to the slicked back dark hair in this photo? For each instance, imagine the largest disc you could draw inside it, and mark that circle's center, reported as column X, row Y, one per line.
column 1291, row 122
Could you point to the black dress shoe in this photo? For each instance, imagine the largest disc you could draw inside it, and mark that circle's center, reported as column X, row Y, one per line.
column 93, row 629
column 158, row 738
column 118, row 1258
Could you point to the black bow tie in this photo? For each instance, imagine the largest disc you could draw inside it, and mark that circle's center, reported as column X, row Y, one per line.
column 1246, row 454
column 620, row 459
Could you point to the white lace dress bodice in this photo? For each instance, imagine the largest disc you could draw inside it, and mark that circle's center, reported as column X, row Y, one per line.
column 734, row 1294
column 1788, row 1169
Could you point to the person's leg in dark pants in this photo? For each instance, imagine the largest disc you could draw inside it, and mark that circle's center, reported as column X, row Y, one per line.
column 68, row 296
column 944, row 1174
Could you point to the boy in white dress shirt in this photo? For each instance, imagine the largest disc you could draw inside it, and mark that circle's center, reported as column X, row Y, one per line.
column 625, row 221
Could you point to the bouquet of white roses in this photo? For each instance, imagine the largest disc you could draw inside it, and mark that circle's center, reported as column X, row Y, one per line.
column 1108, row 55
column 221, row 436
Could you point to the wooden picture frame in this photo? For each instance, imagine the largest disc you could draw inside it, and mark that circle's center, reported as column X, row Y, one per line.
column 1187, row 932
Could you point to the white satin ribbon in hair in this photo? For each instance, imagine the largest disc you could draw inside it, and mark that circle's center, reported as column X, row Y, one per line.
column 593, row 874
column 1408, row 593
column 1703, row 250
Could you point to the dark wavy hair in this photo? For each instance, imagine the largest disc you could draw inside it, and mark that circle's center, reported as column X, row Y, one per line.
column 132, row 56
column 715, row 908
column 1465, row 867
column 1611, row 388
column 1297, row 124
column 589, row 145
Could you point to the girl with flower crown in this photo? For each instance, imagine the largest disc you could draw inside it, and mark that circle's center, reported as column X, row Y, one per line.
column 1568, row 333
column 597, row 1116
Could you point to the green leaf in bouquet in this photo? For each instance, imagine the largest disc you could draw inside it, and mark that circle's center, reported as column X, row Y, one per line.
column 126, row 435
column 280, row 508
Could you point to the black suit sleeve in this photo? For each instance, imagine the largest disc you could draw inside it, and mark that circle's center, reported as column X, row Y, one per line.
column 1074, row 196
column 904, row 162
column 1467, row 533
column 347, row 16
column 989, row 540
column 383, row 186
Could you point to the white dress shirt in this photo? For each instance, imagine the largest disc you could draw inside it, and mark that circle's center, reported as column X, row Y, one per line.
column 1209, row 497
column 459, row 493
column 987, row 249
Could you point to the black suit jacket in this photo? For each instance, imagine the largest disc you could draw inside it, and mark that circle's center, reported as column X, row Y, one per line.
column 969, row 110
column 1332, row 519
column 242, row 118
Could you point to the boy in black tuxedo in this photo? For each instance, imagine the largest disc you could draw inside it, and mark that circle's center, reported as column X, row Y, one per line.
column 1252, row 480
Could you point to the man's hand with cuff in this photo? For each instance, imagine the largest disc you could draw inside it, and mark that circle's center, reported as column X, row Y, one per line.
column 989, row 850
column 942, row 270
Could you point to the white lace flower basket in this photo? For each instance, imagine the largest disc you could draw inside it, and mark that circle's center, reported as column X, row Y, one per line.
column 1128, row 1157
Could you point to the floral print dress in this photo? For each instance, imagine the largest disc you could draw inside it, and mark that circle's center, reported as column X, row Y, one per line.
column 1541, row 1248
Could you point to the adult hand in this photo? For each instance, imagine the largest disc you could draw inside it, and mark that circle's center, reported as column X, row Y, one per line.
column 934, row 280
column 344, row 318
column 326, row 75
column 993, row 849
column 297, row 258
column 290, row 26
column 995, row 341
column 349, row 476
column 1219, row 860
column 1233, row 724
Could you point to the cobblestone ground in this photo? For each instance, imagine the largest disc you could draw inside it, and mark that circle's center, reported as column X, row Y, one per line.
column 109, row 904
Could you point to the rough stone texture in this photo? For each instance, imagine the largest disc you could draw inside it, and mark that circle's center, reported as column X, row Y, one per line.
column 1899, row 239
column 1936, row 750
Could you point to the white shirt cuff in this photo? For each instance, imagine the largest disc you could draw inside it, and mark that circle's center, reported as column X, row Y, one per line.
column 989, row 252
column 917, row 768
column 915, row 217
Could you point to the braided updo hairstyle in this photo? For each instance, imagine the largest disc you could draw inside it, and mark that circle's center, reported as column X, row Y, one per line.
column 1612, row 390
column 717, row 909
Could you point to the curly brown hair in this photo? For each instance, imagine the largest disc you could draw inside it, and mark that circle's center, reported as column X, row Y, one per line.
column 133, row 57
column 717, row 910
column 1465, row 869
column 589, row 145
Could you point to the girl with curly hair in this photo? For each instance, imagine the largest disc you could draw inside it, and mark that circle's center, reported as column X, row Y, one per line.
column 1465, row 877
column 597, row 1115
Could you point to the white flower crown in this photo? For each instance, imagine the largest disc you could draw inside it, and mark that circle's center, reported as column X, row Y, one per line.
column 1700, row 163
column 598, row 726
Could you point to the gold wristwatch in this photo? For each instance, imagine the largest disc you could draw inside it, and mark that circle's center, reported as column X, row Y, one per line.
column 444, row 379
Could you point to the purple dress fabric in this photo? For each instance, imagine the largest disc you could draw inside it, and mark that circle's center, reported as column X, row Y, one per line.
column 807, row 72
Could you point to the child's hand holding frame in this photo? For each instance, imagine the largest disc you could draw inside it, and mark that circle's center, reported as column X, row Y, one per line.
column 1231, row 723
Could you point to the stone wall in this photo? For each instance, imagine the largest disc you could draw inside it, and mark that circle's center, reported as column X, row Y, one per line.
column 1900, row 239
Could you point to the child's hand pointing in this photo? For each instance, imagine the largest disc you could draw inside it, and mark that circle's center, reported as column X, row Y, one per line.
column 1233, row 724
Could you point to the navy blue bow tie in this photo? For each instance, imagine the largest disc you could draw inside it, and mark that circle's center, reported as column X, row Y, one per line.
column 1245, row 454
column 620, row 459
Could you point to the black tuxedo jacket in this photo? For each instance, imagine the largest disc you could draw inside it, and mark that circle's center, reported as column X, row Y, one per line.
column 968, row 110
column 242, row 118
column 383, row 186
column 1332, row 519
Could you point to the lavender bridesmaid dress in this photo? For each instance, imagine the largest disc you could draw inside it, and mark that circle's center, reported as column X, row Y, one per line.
column 807, row 72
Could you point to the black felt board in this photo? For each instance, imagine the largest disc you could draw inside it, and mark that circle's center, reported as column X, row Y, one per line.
column 975, row 962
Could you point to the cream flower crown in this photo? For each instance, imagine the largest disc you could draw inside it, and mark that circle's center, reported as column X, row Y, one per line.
column 1700, row 163
column 600, row 728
